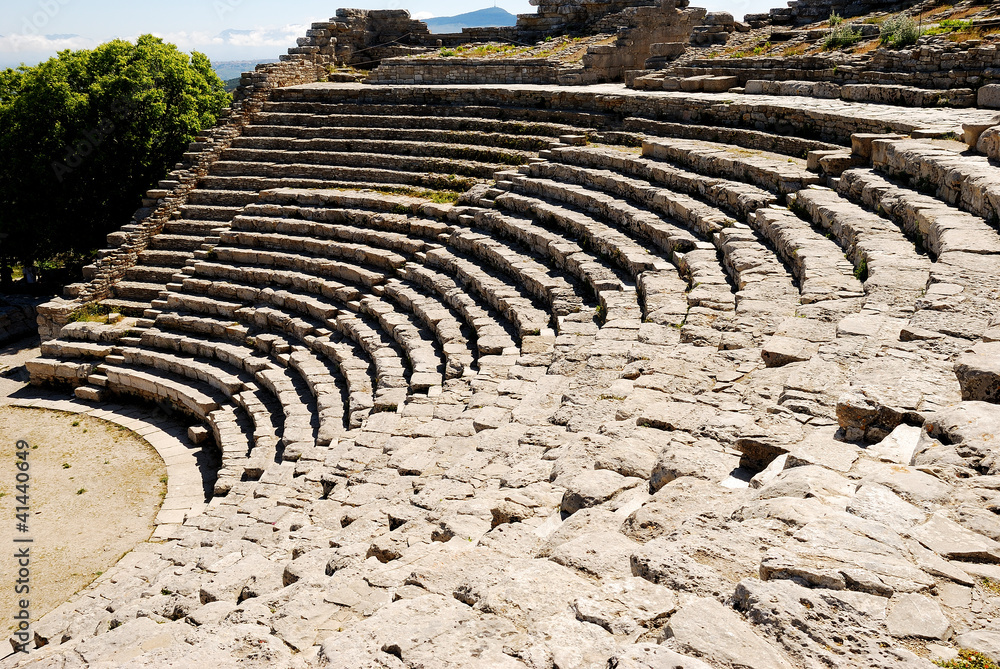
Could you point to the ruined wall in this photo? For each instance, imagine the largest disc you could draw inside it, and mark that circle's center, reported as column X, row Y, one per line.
column 937, row 66
column 17, row 318
column 667, row 22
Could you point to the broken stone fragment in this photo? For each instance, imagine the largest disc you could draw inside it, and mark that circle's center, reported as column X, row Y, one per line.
column 979, row 373
column 780, row 351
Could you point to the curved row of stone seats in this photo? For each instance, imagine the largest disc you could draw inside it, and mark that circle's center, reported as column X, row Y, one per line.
column 819, row 265
column 708, row 287
column 964, row 281
column 886, row 94
column 315, row 145
column 383, row 228
column 894, row 271
column 507, row 140
column 735, row 197
column 207, row 211
column 606, row 182
column 778, row 173
column 383, row 101
column 969, row 182
column 789, row 145
column 394, row 240
column 329, row 150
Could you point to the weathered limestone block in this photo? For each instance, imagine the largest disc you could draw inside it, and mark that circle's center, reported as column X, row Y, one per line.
column 979, row 373
column 989, row 143
column 989, row 96
column 707, row 628
column 780, row 351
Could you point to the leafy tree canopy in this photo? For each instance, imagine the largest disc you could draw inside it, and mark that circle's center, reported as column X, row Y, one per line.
column 85, row 134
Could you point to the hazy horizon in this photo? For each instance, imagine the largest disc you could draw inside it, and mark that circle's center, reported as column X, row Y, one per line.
column 225, row 30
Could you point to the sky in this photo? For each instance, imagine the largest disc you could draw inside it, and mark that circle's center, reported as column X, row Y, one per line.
column 33, row 30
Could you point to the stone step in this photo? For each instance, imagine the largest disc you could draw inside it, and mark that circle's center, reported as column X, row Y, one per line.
column 750, row 139
column 319, row 161
column 300, row 425
column 260, row 149
column 169, row 242
column 333, row 176
column 66, row 349
column 200, row 370
column 702, row 219
column 286, row 137
column 136, row 291
column 321, row 106
column 390, row 371
column 356, row 369
column 437, row 317
column 233, row 433
column 777, row 173
column 536, row 278
column 191, row 228
column 276, row 262
column 126, row 307
column 510, row 300
column 971, row 183
column 402, row 243
column 200, row 212
column 328, row 390
column 354, row 254
column 818, row 263
column 492, row 337
column 965, row 277
column 426, row 363
column 164, row 258
column 734, row 196
column 766, row 294
column 191, row 396
column 216, row 198
column 563, row 253
column 150, row 274
column 608, row 242
column 300, row 281
column 893, row 271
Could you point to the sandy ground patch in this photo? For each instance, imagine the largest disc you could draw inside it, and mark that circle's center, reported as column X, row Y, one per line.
column 94, row 492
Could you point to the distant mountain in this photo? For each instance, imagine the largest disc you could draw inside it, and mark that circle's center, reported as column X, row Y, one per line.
column 483, row 18
column 232, row 69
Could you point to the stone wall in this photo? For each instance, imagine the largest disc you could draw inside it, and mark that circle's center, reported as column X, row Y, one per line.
column 17, row 318
column 667, row 22
column 932, row 66
column 465, row 71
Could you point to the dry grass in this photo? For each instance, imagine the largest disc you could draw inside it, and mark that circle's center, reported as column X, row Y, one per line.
column 866, row 47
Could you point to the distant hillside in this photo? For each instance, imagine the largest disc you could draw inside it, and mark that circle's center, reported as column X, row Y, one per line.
column 483, row 18
column 232, row 69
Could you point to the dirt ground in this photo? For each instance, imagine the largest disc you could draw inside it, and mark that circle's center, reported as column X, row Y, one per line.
column 95, row 490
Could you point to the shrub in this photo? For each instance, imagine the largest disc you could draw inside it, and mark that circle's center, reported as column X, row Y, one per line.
column 899, row 31
column 840, row 36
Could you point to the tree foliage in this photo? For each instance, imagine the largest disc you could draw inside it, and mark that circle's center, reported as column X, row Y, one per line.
column 85, row 134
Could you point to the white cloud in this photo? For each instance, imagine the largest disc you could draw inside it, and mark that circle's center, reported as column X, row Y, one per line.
column 282, row 37
column 420, row 16
column 24, row 43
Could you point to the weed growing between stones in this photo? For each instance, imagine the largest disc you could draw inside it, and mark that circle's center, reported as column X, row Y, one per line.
column 969, row 659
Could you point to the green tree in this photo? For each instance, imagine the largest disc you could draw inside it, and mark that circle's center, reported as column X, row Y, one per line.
column 85, row 134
